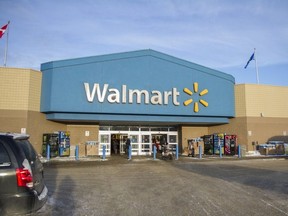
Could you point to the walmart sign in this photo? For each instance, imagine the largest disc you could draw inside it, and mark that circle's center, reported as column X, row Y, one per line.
column 131, row 96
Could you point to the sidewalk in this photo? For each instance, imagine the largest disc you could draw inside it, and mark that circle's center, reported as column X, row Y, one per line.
column 183, row 158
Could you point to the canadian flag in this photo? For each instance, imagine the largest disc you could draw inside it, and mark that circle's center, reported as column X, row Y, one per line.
column 3, row 29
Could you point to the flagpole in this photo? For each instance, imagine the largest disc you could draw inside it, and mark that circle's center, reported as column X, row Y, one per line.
column 6, row 47
column 256, row 66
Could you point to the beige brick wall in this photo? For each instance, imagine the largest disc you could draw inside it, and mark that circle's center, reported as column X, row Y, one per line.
column 240, row 102
column 35, row 90
column 78, row 137
column 254, row 129
column 78, row 133
column 20, row 89
column 35, row 124
column 191, row 132
column 13, row 120
column 20, row 105
column 264, row 129
column 237, row 126
column 254, row 100
column 38, row 125
column 261, row 114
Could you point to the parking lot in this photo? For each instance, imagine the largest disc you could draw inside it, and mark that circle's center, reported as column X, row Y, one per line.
column 184, row 187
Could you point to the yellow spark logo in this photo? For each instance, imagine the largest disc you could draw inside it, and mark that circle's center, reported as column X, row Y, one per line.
column 201, row 101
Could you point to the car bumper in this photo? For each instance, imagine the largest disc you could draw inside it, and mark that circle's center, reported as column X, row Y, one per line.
column 40, row 200
column 23, row 203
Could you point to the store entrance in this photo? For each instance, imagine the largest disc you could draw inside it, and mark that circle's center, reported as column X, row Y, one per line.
column 118, row 145
column 142, row 139
column 159, row 140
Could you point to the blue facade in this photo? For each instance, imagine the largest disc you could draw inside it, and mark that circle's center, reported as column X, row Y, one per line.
column 141, row 86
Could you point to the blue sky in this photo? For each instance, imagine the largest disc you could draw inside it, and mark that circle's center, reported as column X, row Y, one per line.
column 219, row 34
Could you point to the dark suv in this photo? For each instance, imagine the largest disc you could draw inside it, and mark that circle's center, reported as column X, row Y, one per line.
column 22, row 188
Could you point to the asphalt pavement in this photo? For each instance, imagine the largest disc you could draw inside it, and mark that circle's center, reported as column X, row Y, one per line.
column 188, row 186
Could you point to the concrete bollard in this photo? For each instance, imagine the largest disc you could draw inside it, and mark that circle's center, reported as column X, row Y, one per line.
column 154, row 152
column 177, row 151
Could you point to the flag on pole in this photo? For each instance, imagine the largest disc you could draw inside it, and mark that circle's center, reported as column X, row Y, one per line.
column 250, row 59
column 253, row 57
column 3, row 29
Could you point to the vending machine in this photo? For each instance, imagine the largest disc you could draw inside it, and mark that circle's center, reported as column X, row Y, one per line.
column 230, row 144
column 218, row 143
column 50, row 139
column 208, row 144
column 64, row 143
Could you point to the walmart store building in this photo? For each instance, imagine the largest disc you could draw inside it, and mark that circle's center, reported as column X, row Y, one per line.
column 145, row 95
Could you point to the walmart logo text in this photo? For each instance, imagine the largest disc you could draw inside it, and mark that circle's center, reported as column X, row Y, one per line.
column 125, row 95
column 130, row 96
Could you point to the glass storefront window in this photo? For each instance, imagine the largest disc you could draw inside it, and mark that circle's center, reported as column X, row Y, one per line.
column 172, row 139
column 145, row 148
column 172, row 129
column 134, row 138
column 145, row 138
column 104, row 138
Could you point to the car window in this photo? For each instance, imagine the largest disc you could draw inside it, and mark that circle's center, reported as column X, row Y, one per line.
column 4, row 157
column 28, row 149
